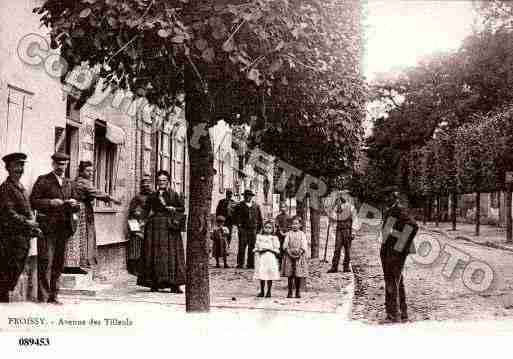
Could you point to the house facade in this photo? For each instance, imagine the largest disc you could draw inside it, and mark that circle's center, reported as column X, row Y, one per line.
column 125, row 138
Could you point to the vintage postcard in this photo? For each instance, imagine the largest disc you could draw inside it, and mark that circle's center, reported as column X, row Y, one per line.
column 309, row 177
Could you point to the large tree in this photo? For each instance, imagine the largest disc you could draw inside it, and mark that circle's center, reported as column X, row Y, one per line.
column 230, row 58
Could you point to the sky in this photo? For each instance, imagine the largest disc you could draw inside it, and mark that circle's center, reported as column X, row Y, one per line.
column 399, row 32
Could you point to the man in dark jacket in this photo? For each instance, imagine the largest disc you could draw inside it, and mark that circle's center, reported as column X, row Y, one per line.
column 52, row 196
column 248, row 220
column 225, row 208
column 345, row 215
column 398, row 230
column 17, row 225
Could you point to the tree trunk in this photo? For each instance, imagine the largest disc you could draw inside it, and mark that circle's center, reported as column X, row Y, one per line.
column 430, row 208
column 425, row 204
column 301, row 211
column 454, row 204
column 315, row 228
column 509, row 236
column 478, row 212
column 437, row 209
column 197, row 295
column 501, row 210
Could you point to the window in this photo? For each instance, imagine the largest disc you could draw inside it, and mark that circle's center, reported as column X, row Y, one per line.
column 164, row 151
column 178, row 164
column 66, row 141
column 19, row 103
column 105, row 159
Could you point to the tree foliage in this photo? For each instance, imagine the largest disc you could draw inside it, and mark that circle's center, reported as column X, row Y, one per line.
column 283, row 66
column 284, row 61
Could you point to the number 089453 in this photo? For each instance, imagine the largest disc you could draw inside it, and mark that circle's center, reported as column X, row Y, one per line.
column 34, row 341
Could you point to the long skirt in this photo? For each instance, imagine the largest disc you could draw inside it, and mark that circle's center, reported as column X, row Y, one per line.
column 219, row 247
column 162, row 262
column 135, row 244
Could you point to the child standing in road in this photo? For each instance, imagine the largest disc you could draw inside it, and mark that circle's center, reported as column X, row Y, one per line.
column 267, row 249
column 220, row 241
column 294, row 265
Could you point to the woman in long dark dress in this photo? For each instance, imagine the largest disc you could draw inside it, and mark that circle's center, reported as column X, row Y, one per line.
column 86, row 194
column 162, row 263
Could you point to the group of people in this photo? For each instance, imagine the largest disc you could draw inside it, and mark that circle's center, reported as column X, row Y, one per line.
column 58, row 207
column 272, row 253
column 52, row 213
column 274, row 248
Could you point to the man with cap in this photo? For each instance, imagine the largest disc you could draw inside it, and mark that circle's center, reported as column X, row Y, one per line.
column 248, row 219
column 225, row 208
column 397, row 233
column 53, row 198
column 346, row 219
column 17, row 225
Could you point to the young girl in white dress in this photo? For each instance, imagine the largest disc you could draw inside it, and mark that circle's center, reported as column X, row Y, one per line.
column 267, row 249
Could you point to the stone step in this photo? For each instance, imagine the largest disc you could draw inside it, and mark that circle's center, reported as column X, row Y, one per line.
column 91, row 290
column 80, row 284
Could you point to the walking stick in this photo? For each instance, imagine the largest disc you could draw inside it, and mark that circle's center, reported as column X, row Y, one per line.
column 327, row 239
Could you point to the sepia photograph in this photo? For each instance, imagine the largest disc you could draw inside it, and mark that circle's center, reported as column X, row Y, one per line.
column 256, row 177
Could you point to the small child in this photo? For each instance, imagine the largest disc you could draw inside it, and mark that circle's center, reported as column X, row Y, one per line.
column 220, row 241
column 294, row 265
column 267, row 249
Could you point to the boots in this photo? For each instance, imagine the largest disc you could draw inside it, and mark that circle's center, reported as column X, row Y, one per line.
column 298, row 287
column 269, row 286
column 262, row 289
column 291, row 284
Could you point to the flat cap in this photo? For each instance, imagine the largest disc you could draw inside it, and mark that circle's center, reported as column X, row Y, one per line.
column 15, row 156
column 248, row 192
column 60, row 156
column 393, row 188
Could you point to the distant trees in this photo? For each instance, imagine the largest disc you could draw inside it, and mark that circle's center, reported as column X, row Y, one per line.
column 450, row 117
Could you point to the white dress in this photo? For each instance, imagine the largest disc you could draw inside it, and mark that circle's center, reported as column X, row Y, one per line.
column 266, row 263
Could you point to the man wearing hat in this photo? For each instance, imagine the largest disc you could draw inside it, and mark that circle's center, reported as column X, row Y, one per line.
column 225, row 208
column 248, row 219
column 345, row 215
column 17, row 225
column 53, row 198
column 397, row 233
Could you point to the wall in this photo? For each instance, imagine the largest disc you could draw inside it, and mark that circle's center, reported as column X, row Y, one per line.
column 47, row 102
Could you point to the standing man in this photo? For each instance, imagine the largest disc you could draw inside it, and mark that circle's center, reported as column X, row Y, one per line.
column 346, row 222
column 282, row 226
column 52, row 196
column 225, row 208
column 397, row 233
column 17, row 225
column 248, row 220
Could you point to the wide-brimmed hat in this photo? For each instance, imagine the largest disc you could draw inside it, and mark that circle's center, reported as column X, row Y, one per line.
column 248, row 192
column 15, row 156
